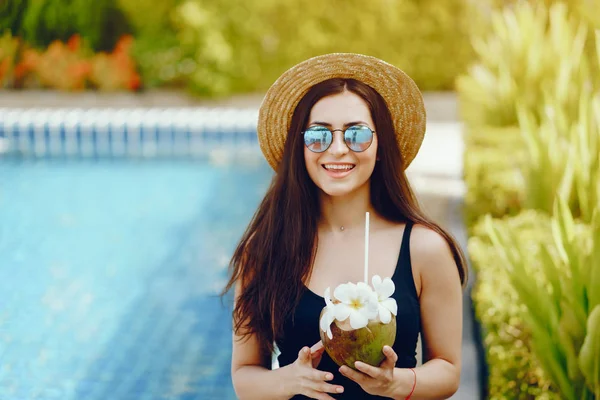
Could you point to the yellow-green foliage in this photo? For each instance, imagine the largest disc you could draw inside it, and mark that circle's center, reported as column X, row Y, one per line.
column 492, row 172
column 531, row 56
column 100, row 22
column 157, row 51
column 242, row 46
column 563, row 157
column 561, row 298
column 9, row 47
column 559, row 149
column 585, row 158
column 514, row 372
column 538, row 78
column 148, row 15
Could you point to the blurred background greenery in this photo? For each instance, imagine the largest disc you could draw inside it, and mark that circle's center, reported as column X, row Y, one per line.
column 527, row 77
column 216, row 48
column 530, row 102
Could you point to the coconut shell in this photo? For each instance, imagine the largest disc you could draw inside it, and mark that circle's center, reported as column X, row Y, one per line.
column 364, row 344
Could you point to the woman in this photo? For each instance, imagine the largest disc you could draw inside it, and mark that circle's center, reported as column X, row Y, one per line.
column 340, row 130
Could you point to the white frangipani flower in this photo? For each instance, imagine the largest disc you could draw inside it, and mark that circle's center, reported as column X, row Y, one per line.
column 357, row 301
column 386, row 305
column 329, row 314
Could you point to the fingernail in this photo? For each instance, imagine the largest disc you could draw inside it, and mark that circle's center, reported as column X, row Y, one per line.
column 329, row 377
column 339, row 390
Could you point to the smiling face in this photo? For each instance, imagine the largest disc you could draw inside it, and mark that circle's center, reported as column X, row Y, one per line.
column 340, row 171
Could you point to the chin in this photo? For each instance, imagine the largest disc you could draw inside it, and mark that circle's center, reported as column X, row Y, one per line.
column 340, row 190
column 336, row 192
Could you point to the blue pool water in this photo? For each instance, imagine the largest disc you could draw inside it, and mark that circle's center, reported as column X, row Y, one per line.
column 109, row 273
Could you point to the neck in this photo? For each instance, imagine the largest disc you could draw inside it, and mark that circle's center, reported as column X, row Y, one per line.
column 343, row 213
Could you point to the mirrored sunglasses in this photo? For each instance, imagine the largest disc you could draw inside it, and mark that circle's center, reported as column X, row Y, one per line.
column 318, row 138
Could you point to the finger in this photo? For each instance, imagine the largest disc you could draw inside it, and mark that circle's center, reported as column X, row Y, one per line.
column 367, row 369
column 313, row 394
column 390, row 353
column 304, row 355
column 356, row 376
column 317, row 347
column 317, row 375
column 390, row 358
column 328, row 388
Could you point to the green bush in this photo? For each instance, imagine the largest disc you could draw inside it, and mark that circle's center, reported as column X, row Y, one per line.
column 532, row 109
column 162, row 62
column 148, row 16
column 99, row 22
column 563, row 157
column 243, row 46
column 514, row 370
column 9, row 49
column 494, row 181
column 561, row 298
column 532, row 55
column 157, row 50
column 11, row 16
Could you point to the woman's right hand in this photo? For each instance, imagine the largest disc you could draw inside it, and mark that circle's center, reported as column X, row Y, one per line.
column 309, row 381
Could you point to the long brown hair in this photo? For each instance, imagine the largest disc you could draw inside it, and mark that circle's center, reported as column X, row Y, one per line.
column 274, row 257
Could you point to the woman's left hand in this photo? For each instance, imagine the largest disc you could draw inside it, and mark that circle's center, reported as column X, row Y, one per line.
column 376, row 381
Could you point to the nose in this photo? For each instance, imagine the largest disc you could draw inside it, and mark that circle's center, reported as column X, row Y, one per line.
column 338, row 147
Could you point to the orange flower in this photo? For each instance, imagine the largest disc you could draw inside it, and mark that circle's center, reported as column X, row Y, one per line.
column 74, row 43
column 4, row 67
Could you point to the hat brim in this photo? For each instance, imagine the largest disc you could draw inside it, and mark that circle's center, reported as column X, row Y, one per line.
column 401, row 95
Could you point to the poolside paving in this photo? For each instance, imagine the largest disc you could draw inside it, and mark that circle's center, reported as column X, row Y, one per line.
column 178, row 350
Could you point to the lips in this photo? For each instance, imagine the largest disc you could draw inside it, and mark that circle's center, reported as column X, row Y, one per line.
column 338, row 167
column 338, row 170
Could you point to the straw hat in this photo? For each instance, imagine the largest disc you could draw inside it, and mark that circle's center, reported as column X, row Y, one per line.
column 401, row 94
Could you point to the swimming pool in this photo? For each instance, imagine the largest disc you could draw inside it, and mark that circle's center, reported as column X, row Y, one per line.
column 109, row 271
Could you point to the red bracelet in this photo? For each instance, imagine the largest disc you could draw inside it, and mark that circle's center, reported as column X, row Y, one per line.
column 414, row 384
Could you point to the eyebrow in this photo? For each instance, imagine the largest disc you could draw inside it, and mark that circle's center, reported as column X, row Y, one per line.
column 345, row 125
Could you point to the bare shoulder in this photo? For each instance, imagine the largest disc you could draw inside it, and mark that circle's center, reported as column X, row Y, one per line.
column 431, row 257
column 428, row 245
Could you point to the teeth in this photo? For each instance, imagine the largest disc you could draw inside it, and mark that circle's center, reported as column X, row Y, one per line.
column 339, row 167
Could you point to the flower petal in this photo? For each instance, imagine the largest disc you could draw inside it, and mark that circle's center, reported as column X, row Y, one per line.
column 342, row 311
column 391, row 305
column 386, row 288
column 325, row 322
column 364, row 291
column 371, row 308
column 384, row 314
column 327, row 297
column 376, row 281
column 358, row 320
column 344, row 292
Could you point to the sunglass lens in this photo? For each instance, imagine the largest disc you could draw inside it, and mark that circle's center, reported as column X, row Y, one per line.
column 317, row 138
column 358, row 138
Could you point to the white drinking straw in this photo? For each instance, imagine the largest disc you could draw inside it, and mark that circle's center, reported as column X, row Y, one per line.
column 367, row 248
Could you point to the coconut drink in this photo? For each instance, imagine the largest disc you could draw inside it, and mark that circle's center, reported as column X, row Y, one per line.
column 359, row 320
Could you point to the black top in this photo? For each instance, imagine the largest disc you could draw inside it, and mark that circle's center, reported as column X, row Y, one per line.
column 304, row 331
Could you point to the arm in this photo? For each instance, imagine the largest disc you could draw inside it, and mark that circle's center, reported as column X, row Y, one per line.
column 441, row 318
column 252, row 379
